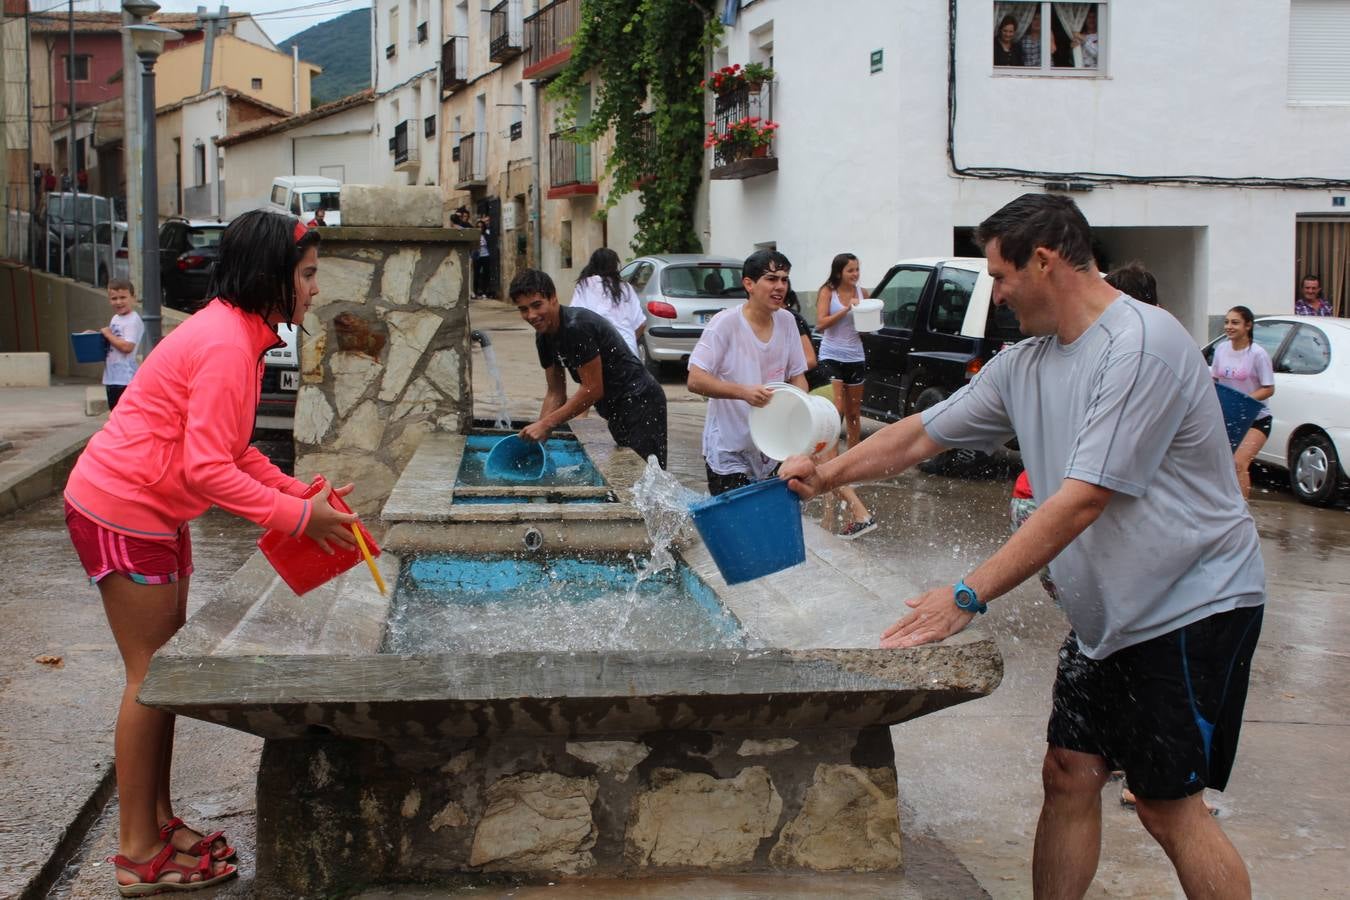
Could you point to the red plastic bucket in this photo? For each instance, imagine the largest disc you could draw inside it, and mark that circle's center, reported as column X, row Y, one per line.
column 301, row 562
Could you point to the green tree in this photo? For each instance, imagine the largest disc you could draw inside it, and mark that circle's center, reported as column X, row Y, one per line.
column 642, row 50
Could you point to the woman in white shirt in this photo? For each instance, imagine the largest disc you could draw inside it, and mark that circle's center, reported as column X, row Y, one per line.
column 1245, row 366
column 600, row 290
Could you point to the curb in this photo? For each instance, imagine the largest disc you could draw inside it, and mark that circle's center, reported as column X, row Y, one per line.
column 41, row 469
column 45, row 878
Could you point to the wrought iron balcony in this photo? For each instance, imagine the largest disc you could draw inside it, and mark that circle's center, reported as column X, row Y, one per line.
column 547, row 36
column 406, row 154
column 736, row 154
column 571, row 170
column 506, row 30
column 454, row 64
column 471, row 161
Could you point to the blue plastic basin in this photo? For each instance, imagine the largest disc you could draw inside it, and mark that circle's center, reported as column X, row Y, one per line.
column 752, row 531
column 515, row 459
column 1239, row 412
column 89, row 346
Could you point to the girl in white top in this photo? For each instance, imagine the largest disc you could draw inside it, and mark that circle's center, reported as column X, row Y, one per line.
column 841, row 350
column 600, row 290
column 1245, row 366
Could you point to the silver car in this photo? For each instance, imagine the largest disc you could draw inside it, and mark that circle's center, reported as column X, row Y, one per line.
column 680, row 293
column 99, row 254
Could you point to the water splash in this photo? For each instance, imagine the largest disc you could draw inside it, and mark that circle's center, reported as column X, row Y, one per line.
column 503, row 411
column 664, row 505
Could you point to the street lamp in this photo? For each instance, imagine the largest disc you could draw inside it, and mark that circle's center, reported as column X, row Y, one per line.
column 148, row 42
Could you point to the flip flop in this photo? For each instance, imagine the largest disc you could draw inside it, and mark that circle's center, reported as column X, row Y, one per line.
column 204, row 847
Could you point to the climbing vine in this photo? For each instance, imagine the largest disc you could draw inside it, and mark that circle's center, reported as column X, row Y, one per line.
column 641, row 50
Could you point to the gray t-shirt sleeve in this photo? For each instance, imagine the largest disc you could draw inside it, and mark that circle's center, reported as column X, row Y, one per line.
column 1130, row 422
column 976, row 416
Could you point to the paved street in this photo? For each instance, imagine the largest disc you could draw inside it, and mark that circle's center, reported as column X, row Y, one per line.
column 969, row 775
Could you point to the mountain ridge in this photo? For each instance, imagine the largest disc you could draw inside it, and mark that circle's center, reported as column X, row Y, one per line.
column 342, row 46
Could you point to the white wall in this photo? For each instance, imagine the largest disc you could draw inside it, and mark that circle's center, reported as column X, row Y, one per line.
column 863, row 159
column 203, row 120
column 414, row 63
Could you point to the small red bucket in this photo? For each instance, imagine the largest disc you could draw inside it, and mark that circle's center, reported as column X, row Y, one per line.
column 301, row 562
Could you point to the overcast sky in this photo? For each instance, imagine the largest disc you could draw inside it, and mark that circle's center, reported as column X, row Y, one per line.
column 279, row 18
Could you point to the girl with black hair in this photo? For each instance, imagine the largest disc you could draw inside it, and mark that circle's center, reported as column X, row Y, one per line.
column 178, row 444
column 601, row 290
column 1244, row 365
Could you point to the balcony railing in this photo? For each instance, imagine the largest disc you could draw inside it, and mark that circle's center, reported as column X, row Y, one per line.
column 422, row 33
column 405, row 146
column 571, row 167
column 454, row 64
column 472, row 158
column 507, row 31
column 741, row 158
column 546, row 37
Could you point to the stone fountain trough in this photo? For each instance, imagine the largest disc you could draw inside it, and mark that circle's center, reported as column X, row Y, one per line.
column 388, row 767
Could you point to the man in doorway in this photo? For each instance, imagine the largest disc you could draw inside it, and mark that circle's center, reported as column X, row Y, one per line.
column 1121, row 432
column 742, row 350
column 611, row 378
column 1310, row 301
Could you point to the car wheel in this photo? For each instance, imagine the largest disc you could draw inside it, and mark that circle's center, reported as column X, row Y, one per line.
column 1314, row 469
column 653, row 365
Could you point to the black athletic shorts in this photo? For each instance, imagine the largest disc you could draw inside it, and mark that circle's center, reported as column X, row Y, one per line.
column 1167, row 711
column 850, row 373
column 1263, row 425
column 639, row 422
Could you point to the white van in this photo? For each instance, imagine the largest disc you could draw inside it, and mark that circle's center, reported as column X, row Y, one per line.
column 301, row 195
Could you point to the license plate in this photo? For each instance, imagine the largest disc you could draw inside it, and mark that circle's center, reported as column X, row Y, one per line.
column 703, row 318
column 290, row 380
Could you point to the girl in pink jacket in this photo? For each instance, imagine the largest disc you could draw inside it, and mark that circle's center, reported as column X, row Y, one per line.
column 176, row 445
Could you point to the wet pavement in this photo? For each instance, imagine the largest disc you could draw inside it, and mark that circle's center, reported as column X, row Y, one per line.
column 969, row 776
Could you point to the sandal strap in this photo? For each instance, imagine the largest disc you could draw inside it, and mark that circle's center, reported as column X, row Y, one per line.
column 150, row 872
column 168, row 828
column 203, row 847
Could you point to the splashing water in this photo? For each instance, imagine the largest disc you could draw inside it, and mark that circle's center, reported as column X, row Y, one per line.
column 664, row 504
column 503, row 420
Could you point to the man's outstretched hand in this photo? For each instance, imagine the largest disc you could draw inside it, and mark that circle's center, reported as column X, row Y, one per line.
column 802, row 476
column 935, row 616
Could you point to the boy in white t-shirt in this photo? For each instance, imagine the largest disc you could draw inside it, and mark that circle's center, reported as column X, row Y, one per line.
column 124, row 334
column 743, row 349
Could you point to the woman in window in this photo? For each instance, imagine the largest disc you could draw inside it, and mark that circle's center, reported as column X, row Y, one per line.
column 1244, row 365
column 600, row 290
column 1007, row 51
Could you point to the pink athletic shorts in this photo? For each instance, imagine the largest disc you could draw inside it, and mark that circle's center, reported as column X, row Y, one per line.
column 103, row 551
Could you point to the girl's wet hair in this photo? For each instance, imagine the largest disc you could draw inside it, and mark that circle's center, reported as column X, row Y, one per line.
column 259, row 252
column 605, row 264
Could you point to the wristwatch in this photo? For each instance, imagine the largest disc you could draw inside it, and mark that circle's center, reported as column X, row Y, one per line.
column 965, row 598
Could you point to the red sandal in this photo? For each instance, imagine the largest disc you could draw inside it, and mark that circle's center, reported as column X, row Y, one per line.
column 150, row 872
column 202, row 847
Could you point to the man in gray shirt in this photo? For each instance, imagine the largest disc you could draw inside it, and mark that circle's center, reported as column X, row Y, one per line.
column 1150, row 545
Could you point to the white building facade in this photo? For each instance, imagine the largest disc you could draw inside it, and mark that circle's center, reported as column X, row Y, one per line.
column 406, row 38
column 1200, row 148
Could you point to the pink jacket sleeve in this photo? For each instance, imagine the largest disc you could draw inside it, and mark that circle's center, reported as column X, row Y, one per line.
column 220, row 410
column 258, row 467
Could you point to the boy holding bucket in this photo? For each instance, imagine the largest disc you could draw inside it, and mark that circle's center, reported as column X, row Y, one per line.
column 742, row 350
column 124, row 335
column 611, row 378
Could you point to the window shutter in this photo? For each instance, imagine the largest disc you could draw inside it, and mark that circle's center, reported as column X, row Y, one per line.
column 1319, row 66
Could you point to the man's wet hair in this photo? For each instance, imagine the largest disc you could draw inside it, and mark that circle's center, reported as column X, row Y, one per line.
column 1051, row 221
column 762, row 261
column 1133, row 280
column 530, row 282
column 258, row 255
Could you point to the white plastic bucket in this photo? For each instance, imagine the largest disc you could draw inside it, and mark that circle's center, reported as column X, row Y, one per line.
column 867, row 315
column 793, row 422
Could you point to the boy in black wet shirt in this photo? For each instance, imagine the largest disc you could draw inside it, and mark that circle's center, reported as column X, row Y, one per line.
column 611, row 378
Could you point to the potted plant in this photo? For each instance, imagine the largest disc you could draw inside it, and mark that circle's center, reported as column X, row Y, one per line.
column 755, row 74
column 724, row 80
column 747, row 137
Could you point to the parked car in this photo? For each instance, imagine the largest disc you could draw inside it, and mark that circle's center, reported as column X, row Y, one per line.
column 100, row 254
column 1310, row 434
column 301, row 195
column 70, row 216
column 939, row 328
column 281, row 374
column 188, row 250
column 680, row 293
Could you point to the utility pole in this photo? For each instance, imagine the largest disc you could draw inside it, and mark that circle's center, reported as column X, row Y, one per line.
column 70, row 110
column 210, row 22
column 131, row 147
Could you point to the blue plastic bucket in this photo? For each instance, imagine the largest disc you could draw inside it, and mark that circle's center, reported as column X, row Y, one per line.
column 514, row 459
column 1239, row 412
column 752, row 531
column 90, row 346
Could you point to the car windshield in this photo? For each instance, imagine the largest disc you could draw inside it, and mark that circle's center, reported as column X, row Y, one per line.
column 709, row 280
column 312, row 200
column 204, row 237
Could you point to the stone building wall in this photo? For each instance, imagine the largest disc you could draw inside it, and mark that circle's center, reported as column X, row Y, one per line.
column 385, row 354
